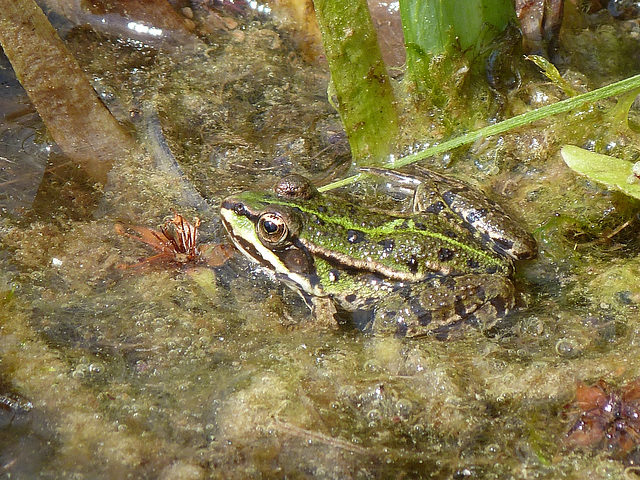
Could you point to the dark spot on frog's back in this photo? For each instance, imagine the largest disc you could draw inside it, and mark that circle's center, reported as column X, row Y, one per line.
column 401, row 330
column 436, row 207
column 412, row 264
column 500, row 305
column 451, row 195
column 471, row 263
column 503, row 243
column 350, row 298
column 425, row 318
column 403, row 226
column 334, row 275
column 475, row 215
column 445, row 254
column 355, row 236
column 387, row 244
column 420, row 226
column 460, row 308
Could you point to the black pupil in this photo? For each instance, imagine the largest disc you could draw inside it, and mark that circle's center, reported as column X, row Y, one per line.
column 270, row 227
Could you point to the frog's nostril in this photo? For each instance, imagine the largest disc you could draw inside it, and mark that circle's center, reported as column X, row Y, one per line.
column 239, row 209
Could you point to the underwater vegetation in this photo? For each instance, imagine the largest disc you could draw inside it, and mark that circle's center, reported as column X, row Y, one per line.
column 184, row 365
column 78, row 121
column 177, row 238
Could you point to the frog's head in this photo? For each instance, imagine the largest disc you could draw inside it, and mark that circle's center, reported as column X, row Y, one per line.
column 265, row 227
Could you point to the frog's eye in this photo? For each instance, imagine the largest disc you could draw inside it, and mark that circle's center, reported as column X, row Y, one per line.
column 272, row 229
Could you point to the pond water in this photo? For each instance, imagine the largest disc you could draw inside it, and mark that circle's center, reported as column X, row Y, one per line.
column 189, row 372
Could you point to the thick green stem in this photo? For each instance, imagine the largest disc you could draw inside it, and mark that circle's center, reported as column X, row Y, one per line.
column 436, row 28
column 365, row 97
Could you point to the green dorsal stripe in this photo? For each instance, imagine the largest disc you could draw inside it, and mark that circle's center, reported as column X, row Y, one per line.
column 389, row 229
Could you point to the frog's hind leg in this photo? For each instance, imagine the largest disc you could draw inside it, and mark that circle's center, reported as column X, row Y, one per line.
column 445, row 306
column 483, row 318
column 487, row 220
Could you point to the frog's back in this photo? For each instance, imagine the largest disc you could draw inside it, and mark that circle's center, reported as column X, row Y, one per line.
column 408, row 248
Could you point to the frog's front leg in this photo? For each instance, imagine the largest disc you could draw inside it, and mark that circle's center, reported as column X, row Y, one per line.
column 444, row 304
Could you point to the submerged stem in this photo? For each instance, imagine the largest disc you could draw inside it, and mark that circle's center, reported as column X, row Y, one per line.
column 438, row 28
column 74, row 115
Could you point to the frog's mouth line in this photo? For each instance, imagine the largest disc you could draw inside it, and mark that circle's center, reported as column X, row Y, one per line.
column 247, row 247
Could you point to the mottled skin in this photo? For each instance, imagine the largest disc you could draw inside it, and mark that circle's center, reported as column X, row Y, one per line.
column 446, row 265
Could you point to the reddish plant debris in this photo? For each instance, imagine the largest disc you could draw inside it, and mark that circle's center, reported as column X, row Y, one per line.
column 176, row 242
column 608, row 418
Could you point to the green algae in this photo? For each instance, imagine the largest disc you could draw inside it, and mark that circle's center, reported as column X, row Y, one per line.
column 624, row 86
column 81, row 125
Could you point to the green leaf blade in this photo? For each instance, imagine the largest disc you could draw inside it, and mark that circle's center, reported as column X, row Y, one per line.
column 612, row 172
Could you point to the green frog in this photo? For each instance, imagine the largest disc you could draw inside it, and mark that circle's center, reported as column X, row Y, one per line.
column 445, row 265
